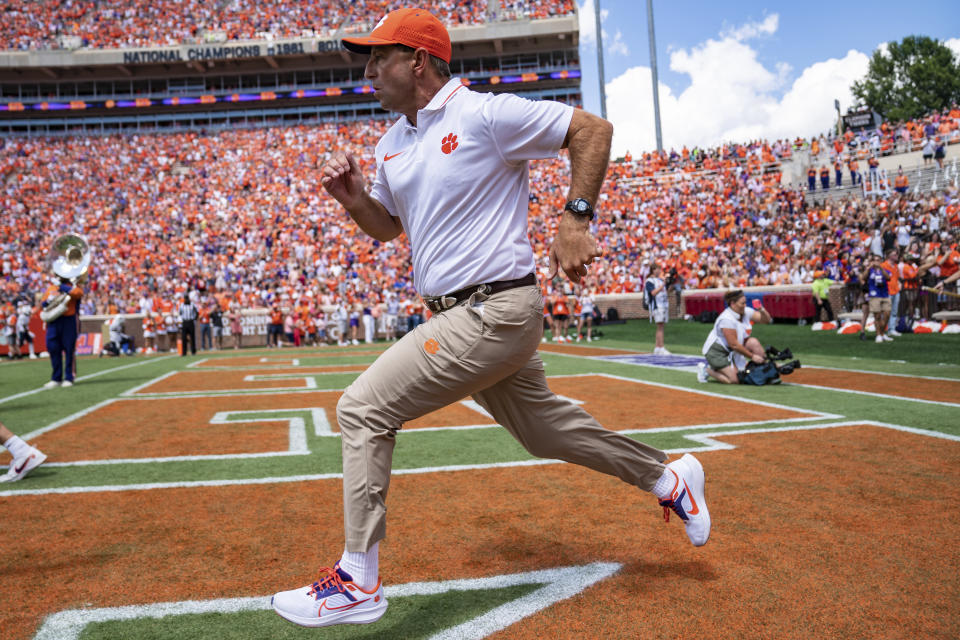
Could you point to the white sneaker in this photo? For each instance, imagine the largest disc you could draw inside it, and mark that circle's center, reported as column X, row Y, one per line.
column 879, row 339
column 334, row 599
column 51, row 384
column 33, row 356
column 354, row 342
column 894, row 333
column 702, row 375
column 20, row 467
column 664, row 352
column 887, row 338
column 686, row 499
column 67, row 383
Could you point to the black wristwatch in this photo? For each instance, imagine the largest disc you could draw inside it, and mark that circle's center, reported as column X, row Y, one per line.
column 580, row 207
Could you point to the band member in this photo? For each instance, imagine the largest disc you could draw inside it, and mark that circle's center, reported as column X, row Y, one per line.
column 62, row 333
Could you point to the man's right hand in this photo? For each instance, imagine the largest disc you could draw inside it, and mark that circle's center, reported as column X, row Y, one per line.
column 343, row 179
column 756, row 357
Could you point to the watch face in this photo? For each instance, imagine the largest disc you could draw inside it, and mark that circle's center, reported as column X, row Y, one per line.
column 579, row 206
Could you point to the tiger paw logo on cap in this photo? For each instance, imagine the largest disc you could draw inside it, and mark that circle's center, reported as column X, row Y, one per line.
column 449, row 143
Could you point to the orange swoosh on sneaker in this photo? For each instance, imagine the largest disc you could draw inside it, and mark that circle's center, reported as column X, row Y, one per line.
column 695, row 509
column 341, row 608
column 391, row 157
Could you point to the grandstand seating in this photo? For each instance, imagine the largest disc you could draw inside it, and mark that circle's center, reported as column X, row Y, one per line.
column 50, row 24
column 242, row 212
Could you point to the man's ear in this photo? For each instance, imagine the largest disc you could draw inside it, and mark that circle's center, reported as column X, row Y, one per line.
column 421, row 60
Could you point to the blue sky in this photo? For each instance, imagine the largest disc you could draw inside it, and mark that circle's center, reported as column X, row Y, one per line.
column 735, row 70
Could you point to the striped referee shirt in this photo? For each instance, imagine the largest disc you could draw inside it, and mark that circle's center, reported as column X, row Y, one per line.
column 188, row 312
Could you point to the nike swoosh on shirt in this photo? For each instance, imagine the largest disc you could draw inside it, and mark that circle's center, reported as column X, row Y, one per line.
column 391, row 157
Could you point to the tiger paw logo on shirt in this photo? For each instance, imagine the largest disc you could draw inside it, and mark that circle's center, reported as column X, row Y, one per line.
column 449, row 143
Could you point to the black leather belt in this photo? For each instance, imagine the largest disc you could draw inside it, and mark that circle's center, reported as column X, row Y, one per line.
column 440, row 304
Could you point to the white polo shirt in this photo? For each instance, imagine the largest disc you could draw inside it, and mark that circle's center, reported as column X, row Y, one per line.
column 459, row 183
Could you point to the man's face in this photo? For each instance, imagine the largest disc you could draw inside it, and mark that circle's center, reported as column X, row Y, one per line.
column 390, row 71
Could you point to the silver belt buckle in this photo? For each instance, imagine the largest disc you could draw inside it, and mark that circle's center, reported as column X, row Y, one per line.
column 446, row 302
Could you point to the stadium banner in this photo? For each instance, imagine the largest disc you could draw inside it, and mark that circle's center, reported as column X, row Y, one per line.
column 860, row 119
column 252, row 323
column 89, row 344
column 174, row 54
column 224, row 51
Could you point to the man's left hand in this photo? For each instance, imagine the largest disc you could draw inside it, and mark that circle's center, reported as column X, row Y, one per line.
column 573, row 248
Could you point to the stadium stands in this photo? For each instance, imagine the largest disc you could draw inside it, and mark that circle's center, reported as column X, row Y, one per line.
column 50, row 24
column 241, row 212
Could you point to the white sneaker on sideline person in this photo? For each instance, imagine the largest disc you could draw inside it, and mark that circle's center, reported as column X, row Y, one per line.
column 702, row 375
column 20, row 467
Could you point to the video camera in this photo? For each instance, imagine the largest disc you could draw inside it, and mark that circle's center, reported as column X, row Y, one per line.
column 775, row 356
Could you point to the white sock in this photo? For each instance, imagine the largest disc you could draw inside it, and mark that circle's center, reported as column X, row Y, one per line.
column 364, row 567
column 665, row 484
column 17, row 447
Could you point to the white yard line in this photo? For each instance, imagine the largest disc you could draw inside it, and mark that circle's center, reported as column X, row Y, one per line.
column 24, row 394
column 885, row 396
column 557, row 585
column 709, row 440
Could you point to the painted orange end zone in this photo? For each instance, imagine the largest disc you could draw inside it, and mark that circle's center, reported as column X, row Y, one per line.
column 900, row 386
column 819, row 533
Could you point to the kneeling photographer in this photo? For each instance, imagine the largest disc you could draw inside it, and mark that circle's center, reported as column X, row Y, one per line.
column 729, row 347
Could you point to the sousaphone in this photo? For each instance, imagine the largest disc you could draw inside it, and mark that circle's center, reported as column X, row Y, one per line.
column 71, row 259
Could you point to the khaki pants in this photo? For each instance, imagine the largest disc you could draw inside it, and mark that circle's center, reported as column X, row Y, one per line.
column 485, row 348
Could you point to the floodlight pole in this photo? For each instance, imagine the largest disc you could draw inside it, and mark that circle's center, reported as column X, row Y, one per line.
column 603, row 89
column 653, row 74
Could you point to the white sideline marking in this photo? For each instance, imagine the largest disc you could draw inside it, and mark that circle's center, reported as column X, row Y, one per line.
column 558, row 584
column 273, row 480
column 882, row 373
column 86, row 377
column 885, row 396
column 820, row 414
column 294, row 362
column 62, row 421
column 708, row 440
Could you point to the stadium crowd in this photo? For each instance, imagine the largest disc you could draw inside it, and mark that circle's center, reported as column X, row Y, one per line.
column 240, row 215
column 144, row 23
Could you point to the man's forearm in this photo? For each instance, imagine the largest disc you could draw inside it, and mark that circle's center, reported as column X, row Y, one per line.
column 374, row 219
column 588, row 141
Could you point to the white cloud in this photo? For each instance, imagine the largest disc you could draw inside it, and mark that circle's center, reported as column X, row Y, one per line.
column 954, row 44
column 732, row 96
column 618, row 45
column 588, row 31
column 767, row 27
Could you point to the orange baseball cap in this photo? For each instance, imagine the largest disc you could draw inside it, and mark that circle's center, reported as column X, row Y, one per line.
column 410, row 26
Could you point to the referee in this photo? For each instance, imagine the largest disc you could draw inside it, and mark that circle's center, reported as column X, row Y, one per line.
column 188, row 317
